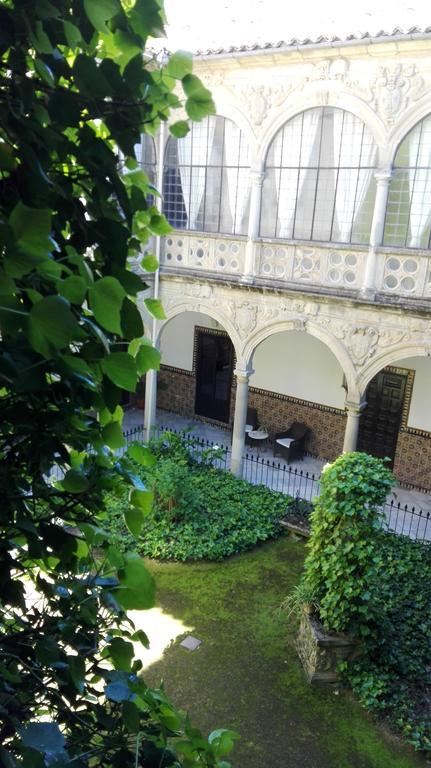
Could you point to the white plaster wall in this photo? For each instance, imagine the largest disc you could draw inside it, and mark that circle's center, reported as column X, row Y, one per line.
column 176, row 341
column 420, row 407
column 296, row 364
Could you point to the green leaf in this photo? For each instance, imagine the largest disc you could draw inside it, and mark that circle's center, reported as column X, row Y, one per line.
column 77, row 671
column 72, row 34
column 49, row 269
column 155, row 308
column 180, row 64
column 40, row 39
column 74, row 481
column 222, row 741
column 45, row 737
column 136, row 590
column 150, row 263
column 73, row 289
column 134, row 519
column 142, row 499
column 160, row 225
column 100, row 11
column 120, row 368
column 32, row 229
column 44, row 72
column 199, row 103
column 131, row 717
column 113, row 435
column 179, row 129
column 47, row 651
column 7, row 160
column 51, row 325
column 131, row 320
column 121, row 653
column 106, row 300
column 141, row 454
column 147, row 358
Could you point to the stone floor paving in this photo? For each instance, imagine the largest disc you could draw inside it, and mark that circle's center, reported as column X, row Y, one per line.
column 298, row 478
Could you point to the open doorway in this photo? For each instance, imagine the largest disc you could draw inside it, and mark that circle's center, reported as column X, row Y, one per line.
column 214, row 369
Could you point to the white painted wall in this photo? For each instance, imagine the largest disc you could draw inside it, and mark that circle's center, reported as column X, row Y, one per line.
column 176, row 341
column 296, row 364
column 420, row 407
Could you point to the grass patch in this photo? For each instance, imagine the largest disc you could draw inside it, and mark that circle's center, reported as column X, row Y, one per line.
column 246, row 674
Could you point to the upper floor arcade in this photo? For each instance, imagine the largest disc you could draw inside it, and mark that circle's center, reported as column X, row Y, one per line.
column 315, row 173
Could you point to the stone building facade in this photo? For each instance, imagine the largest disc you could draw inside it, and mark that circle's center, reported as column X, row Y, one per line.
column 297, row 278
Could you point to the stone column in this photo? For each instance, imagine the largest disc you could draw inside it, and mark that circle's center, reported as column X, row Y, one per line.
column 354, row 411
column 256, row 178
column 377, row 228
column 150, row 402
column 240, row 420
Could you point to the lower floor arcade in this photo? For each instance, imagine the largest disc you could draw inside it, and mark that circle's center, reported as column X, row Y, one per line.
column 357, row 376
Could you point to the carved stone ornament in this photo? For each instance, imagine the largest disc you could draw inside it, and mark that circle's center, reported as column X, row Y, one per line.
column 395, row 88
column 245, row 318
column 260, row 99
column 198, row 290
column 361, row 342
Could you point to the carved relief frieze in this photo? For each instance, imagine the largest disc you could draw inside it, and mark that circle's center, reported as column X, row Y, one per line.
column 394, row 89
column 244, row 316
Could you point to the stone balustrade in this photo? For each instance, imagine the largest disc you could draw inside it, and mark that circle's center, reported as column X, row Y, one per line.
column 398, row 272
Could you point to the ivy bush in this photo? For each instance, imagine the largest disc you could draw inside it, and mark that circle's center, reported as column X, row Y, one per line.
column 343, row 566
column 393, row 677
column 199, row 512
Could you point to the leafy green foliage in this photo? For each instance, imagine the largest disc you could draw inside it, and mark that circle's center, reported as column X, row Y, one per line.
column 344, row 564
column 393, row 677
column 199, row 512
column 76, row 93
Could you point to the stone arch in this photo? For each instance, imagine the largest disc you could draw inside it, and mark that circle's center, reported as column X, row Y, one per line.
column 419, row 111
column 389, row 357
column 314, row 329
column 206, row 309
column 311, row 98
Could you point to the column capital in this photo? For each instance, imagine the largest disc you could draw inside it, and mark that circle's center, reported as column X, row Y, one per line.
column 383, row 177
column 243, row 374
column 354, row 409
column 257, row 177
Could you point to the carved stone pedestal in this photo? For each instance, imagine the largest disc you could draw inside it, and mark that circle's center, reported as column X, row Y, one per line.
column 321, row 652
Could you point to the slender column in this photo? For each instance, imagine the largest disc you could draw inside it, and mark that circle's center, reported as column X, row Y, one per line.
column 377, row 228
column 256, row 178
column 354, row 411
column 150, row 402
column 151, row 376
column 240, row 420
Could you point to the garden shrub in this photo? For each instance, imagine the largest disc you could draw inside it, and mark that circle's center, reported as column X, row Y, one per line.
column 199, row 512
column 393, row 676
column 343, row 565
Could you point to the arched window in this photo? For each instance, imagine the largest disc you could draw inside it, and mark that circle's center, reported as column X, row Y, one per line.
column 319, row 180
column 206, row 178
column 408, row 214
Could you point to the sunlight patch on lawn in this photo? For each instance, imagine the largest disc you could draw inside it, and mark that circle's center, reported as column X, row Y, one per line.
column 161, row 629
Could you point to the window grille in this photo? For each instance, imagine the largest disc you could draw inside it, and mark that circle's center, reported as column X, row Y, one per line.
column 206, row 178
column 319, row 181
column 408, row 213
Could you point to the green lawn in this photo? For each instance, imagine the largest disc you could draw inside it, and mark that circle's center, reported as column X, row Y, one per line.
column 246, row 675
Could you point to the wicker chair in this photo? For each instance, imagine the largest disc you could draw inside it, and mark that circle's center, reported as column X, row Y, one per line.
column 292, row 443
column 251, row 423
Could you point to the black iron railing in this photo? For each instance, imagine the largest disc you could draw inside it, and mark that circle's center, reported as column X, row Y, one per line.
column 290, row 481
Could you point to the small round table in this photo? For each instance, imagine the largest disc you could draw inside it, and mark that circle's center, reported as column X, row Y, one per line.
column 257, row 437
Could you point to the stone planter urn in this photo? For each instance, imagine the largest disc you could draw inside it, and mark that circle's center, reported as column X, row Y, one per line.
column 320, row 651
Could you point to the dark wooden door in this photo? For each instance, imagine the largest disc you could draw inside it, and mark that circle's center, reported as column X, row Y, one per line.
column 214, row 361
column 380, row 421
